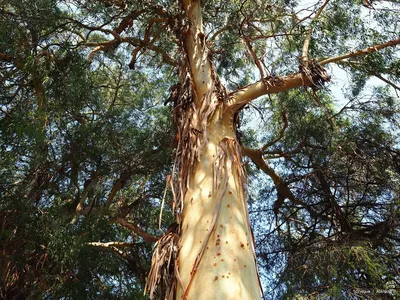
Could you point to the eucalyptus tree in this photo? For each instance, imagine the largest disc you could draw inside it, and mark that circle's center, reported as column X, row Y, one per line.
column 75, row 75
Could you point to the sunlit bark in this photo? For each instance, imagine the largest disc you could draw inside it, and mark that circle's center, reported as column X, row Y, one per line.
column 215, row 230
column 216, row 259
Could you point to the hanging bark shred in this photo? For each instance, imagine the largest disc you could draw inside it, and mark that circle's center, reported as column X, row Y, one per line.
column 164, row 271
column 190, row 115
column 314, row 72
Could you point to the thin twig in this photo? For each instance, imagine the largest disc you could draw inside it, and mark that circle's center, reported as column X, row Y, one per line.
column 281, row 133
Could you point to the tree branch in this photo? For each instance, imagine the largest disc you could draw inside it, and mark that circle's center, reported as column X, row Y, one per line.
column 365, row 51
column 89, row 184
column 119, row 3
column 344, row 223
column 220, row 31
column 146, row 39
column 101, row 46
column 244, row 95
column 127, row 22
column 281, row 133
column 114, row 247
column 358, row 66
column 132, row 258
column 146, row 237
column 6, row 57
column 124, row 24
column 119, row 184
column 386, row 81
column 281, row 186
column 274, row 85
column 304, row 55
column 254, row 55
column 110, row 244
column 91, row 28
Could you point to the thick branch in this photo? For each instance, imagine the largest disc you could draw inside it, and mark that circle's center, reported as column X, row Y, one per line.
column 244, row 95
column 146, row 237
column 127, row 22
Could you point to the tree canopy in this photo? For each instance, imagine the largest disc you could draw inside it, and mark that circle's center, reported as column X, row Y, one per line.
column 88, row 141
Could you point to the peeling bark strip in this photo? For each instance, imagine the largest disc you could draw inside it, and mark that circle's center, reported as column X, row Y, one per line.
column 164, row 271
column 191, row 120
column 314, row 73
column 193, row 100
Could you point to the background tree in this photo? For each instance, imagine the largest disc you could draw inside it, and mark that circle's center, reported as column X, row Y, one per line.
column 87, row 144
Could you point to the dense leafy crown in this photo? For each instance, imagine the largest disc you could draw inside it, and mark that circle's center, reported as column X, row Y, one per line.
column 87, row 144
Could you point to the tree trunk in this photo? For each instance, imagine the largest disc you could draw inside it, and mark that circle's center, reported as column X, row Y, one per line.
column 216, row 259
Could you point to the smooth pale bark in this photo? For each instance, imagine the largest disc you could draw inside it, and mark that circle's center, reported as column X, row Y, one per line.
column 196, row 50
column 216, row 259
column 250, row 92
column 227, row 269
